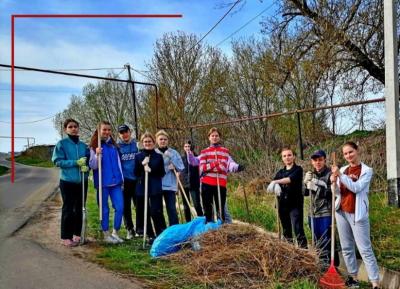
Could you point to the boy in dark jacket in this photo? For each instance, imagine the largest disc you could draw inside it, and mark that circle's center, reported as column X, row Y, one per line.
column 127, row 149
column 318, row 187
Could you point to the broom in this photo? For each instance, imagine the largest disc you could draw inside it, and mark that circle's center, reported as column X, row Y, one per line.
column 331, row 279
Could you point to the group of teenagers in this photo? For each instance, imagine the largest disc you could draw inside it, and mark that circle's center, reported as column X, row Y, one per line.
column 203, row 178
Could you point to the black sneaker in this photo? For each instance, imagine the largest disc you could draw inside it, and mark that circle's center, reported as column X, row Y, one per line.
column 352, row 283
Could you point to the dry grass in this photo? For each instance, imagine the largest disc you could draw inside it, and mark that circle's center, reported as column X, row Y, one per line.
column 240, row 256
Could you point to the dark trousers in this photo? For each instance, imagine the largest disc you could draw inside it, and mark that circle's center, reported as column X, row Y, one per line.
column 155, row 210
column 129, row 197
column 210, row 195
column 292, row 219
column 170, row 203
column 186, row 208
column 71, row 213
column 322, row 239
column 195, row 195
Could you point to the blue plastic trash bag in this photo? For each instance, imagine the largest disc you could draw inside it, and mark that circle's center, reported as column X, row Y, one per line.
column 172, row 238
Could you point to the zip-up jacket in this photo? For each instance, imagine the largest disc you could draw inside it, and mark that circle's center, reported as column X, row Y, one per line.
column 360, row 188
column 65, row 155
column 321, row 198
column 111, row 165
column 215, row 162
column 171, row 156
column 127, row 152
column 156, row 164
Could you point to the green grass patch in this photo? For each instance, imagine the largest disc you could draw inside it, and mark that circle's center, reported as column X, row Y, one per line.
column 385, row 231
column 4, row 170
column 33, row 161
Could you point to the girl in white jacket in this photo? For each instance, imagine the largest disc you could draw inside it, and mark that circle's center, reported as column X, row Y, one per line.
column 352, row 186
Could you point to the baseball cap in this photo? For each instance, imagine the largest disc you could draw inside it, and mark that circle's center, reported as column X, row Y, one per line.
column 318, row 154
column 123, row 127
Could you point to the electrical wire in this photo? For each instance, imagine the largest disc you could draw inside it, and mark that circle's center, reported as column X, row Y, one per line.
column 247, row 23
column 215, row 25
column 29, row 122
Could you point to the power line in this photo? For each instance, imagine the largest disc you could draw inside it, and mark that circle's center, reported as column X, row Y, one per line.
column 247, row 23
column 29, row 122
column 215, row 25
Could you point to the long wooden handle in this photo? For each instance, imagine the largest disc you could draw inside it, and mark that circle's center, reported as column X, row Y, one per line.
column 192, row 210
column 333, row 159
column 99, row 161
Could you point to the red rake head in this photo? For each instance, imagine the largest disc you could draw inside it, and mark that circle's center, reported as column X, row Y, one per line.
column 332, row 280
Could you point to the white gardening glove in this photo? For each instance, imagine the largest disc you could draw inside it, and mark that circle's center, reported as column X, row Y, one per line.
column 277, row 189
column 308, row 177
column 146, row 161
column 270, row 188
column 147, row 169
column 167, row 157
column 310, row 185
column 320, row 183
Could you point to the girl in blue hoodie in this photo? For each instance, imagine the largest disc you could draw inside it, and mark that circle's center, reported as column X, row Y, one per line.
column 70, row 155
column 112, row 179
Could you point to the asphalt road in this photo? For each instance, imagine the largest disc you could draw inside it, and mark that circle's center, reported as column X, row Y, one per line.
column 26, row 264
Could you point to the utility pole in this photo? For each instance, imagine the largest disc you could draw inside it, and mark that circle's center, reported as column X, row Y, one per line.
column 392, row 103
column 300, row 136
column 127, row 66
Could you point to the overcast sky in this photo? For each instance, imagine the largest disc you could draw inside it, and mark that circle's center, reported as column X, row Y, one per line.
column 95, row 43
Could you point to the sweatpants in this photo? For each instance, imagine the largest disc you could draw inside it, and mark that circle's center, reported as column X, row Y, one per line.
column 353, row 233
column 170, row 203
column 117, row 202
column 129, row 197
column 292, row 219
column 71, row 212
column 209, row 195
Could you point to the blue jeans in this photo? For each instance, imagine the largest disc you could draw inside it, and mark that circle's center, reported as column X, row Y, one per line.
column 170, row 203
column 117, row 201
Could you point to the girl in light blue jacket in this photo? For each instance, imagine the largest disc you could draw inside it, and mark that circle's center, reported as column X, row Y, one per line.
column 352, row 187
column 172, row 163
column 70, row 155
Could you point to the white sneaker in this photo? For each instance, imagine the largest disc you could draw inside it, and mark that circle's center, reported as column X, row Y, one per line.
column 114, row 234
column 129, row 235
column 109, row 239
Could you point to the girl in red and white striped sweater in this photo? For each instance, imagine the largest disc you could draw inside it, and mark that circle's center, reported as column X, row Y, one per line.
column 215, row 163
